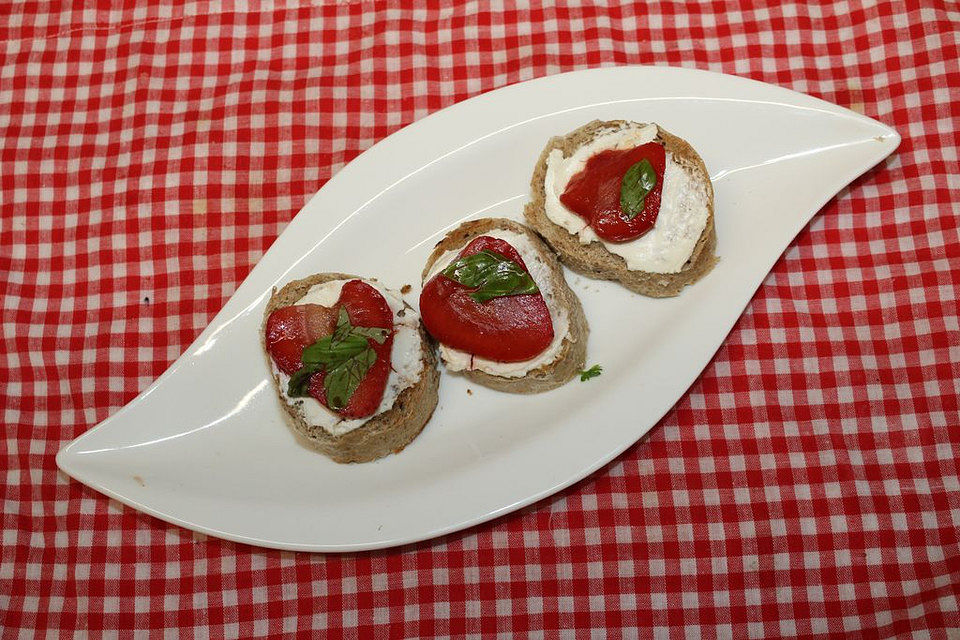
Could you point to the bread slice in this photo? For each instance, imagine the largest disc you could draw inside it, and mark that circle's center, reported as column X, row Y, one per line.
column 573, row 350
column 384, row 433
column 594, row 260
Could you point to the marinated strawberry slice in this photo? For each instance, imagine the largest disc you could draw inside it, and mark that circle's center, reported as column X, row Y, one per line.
column 594, row 193
column 509, row 328
column 366, row 308
column 291, row 329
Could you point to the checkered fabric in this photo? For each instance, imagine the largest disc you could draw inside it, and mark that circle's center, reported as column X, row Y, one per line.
column 807, row 484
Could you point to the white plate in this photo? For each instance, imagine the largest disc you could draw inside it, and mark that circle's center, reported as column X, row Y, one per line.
column 205, row 446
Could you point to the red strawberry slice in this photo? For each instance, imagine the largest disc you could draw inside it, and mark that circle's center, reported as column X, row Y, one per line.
column 505, row 329
column 594, row 193
column 291, row 329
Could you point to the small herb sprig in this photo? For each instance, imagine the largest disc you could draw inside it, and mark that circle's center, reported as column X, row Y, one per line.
column 592, row 372
column 346, row 356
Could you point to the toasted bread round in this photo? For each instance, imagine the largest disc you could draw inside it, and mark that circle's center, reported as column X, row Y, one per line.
column 573, row 351
column 384, row 433
column 594, row 260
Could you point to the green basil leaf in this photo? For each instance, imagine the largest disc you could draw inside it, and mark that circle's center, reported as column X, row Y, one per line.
column 473, row 270
column 376, row 334
column 329, row 351
column 493, row 274
column 297, row 386
column 345, row 329
column 342, row 381
column 638, row 181
column 592, row 372
column 505, row 284
column 343, row 325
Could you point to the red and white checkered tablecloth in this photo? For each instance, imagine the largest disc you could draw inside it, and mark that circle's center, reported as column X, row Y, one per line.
column 807, row 484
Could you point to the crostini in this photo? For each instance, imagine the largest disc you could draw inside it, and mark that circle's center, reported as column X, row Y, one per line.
column 495, row 299
column 354, row 370
column 628, row 202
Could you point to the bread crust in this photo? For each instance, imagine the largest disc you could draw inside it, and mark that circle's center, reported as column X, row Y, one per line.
column 385, row 433
column 594, row 260
column 573, row 350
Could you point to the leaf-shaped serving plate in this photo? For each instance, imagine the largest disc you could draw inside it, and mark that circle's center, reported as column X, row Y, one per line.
column 205, row 446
